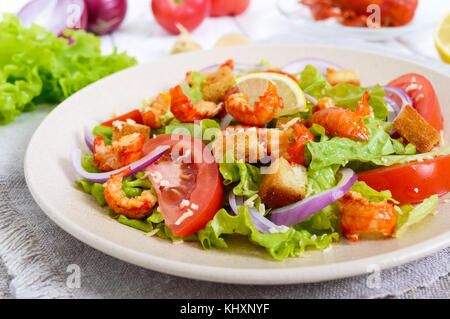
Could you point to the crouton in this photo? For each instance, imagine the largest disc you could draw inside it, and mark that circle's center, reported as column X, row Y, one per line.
column 121, row 128
column 343, row 76
column 217, row 83
column 286, row 185
column 247, row 144
column 413, row 127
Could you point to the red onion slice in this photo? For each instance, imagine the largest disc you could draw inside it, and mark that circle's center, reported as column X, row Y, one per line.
column 226, row 120
column 55, row 15
column 135, row 167
column 261, row 223
column 310, row 99
column 300, row 64
column 398, row 95
column 299, row 211
column 89, row 139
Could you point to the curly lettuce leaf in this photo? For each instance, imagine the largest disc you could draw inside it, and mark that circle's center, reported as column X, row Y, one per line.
column 290, row 243
column 105, row 131
column 95, row 189
column 206, row 130
column 344, row 95
column 408, row 215
column 248, row 176
column 36, row 66
column 371, row 194
column 326, row 219
column 341, row 150
column 194, row 91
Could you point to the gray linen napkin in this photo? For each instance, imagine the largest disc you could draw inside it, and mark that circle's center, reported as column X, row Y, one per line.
column 38, row 259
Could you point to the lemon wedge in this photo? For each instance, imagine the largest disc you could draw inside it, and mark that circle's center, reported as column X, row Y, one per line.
column 254, row 85
column 442, row 38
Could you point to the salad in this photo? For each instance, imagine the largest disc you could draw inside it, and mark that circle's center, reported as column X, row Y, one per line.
column 293, row 158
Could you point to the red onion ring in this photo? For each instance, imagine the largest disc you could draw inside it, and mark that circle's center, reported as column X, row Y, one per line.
column 261, row 223
column 89, row 139
column 135, row 167
column 293, row 214
column 300, row 64
column 56, row 15
column 400, row 94
column 310, row 99
column 226, row 120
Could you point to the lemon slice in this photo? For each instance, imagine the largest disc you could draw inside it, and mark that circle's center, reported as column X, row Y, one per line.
column 442, row 38
column 254, row 85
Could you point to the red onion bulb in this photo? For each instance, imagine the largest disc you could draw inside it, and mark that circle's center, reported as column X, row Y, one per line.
column 105, row 16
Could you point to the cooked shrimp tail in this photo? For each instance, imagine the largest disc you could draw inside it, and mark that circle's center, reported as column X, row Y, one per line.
column 359, row 216
column 341, row 122
column 136, row 207
column 261, row 113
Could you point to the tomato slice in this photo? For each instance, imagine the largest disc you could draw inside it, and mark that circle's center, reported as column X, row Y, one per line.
column 412, row 182
column 187, row 182
column 424, row 97
column 284, row 73
column 134, row 115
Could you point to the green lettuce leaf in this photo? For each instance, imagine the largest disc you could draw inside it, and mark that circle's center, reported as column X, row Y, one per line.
column 88, row 164
column 95, row 189
column 408, row 215
column 344, row 95
column 206, row 130
column 36, row 66
column 341, row 150
column 105, row 131
column 279, row 245
column 195, row 90
column 326, row 219
column 248, row 176
column 371, row 194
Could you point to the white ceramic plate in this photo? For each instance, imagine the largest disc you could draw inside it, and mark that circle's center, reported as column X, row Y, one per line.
column 425, row 16
column 50, row 178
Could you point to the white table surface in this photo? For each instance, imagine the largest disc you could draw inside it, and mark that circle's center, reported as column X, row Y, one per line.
column 144, row 39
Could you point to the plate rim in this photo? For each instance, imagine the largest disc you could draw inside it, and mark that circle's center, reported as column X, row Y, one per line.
column 305, row 274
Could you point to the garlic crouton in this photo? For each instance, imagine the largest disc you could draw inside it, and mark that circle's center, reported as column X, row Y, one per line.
column 247, row 144
column 412, row 126
column 121, row 128
column 286, row 185
column 343, row 76
column 217, row 83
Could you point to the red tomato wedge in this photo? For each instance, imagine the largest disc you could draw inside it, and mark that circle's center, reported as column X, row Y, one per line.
column 187, row 182
column 412, row 182
column 134, row 115
column 424, row 97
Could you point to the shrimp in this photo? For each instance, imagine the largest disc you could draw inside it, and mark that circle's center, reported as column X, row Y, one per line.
column 363, row 109
column 185, row 111
column 295, row 153
column 126, row 150
column 261, row 113
column 358, row 216
column 136, row 207
column 152, row 113
column 341, row 122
